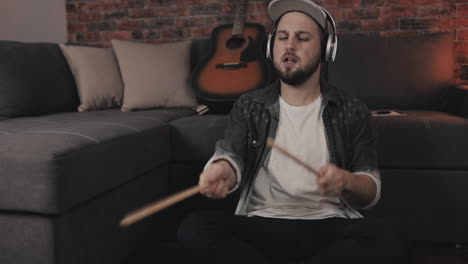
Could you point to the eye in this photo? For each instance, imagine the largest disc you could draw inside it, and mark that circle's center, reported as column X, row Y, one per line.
column 282, row 37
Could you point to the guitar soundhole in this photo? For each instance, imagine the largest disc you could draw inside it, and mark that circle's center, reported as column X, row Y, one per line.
column 235, row 42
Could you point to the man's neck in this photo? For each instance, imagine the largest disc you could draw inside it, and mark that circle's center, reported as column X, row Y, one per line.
column 303, row 94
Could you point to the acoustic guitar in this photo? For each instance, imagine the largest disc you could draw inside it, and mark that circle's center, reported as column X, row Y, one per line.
column 235, row 63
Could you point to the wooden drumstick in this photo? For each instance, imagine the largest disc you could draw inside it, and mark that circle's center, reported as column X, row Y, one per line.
column 271, row 143
column 159, row 205
column 166, row 202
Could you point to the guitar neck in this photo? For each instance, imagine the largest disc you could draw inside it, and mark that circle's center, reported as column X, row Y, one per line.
column 239, row 20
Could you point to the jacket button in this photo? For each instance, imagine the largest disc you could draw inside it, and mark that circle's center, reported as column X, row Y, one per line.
column 254, row 141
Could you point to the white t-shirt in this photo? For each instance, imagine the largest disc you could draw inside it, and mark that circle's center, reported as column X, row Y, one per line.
column 285, row 189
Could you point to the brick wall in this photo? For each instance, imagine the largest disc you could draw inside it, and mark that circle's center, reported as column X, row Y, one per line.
column 96, row 22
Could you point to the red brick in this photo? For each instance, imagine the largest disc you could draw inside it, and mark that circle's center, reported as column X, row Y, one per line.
column 141, row 13
column 124, row 35
column 336, row 13
column 461, row 47
column 417, row 23
column 190, row 2
column 77, row 28
column 158, row 22
column 455, row 1
column 172, row 33
column 261, row 7
column 348, row 26
column 462, row 34
column 258, row 18
column 380, row 2
column 158, row 3
column 130, row 24
column 190, row 22
column 462, row 9
column 421, row 2
column 116, row 14
column 102, row 26
column 174, row 11
column 331, row 4
column 383, row 24
column 88, row 37
column 92, row 36
column 96, row 6
column 201, row 32
column 349, row 3
column 398, row 33
column 209, row 9
column 91, row 16
column 72, row 17
column 462, row 59
column 344, row 3
column 360, row 13
column 151, row 34
column 398, row 11
column 187, row 33
column 228, row 8
column 129, row 4
column 439, row 10
column 69, row 7
column 250, row 8
column 453, row 22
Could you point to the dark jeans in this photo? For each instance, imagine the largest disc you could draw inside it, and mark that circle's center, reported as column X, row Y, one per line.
column 220, row 237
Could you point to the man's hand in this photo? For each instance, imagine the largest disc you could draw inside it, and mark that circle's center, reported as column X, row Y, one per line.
column 217, row 179
column 358, row 190
column 332, row 181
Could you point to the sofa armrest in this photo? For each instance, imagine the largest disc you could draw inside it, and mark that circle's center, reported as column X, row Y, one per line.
column 456, row 101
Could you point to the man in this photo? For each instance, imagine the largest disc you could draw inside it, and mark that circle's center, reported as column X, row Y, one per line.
column 286, row 213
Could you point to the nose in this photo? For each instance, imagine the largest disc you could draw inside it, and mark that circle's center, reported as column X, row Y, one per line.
column 290, row 44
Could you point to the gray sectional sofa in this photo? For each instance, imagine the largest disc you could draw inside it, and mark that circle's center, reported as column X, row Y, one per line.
column 67, row 178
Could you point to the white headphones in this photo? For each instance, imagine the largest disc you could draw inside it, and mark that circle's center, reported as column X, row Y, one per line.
column 328, row 51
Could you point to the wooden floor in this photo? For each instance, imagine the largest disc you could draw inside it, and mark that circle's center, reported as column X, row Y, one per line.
column 431, row 253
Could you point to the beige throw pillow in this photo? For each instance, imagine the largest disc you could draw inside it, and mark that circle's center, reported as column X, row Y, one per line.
column 154, row 75
column 97, row 76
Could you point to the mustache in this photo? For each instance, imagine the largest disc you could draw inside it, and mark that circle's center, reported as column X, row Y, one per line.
column 290, row 55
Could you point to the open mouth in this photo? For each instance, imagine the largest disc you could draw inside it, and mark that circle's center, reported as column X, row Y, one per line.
column 289, row 60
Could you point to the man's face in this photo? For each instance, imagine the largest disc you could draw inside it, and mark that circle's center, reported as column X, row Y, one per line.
column 296, row 50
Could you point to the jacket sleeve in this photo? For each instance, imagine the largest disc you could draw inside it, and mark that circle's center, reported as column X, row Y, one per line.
column 233, row 146
column 363, row 147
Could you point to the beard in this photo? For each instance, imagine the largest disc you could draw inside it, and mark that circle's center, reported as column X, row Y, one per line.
column 296, row 77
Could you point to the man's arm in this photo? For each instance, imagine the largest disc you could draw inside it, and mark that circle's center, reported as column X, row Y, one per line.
column 358, row 190
column 360, row 184
column 222, row 173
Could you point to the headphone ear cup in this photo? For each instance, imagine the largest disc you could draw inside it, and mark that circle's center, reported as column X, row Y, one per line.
column 328, row 48
column 269, row 46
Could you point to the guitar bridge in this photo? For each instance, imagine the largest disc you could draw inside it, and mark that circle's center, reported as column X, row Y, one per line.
column 231, row 65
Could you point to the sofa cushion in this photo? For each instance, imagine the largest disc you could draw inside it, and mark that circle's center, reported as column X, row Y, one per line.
column 396, row 72
column 97, row 76
column 193, row 138
column 51, row 163
column 34, row 80
column 422, row 140
column 154, row 75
